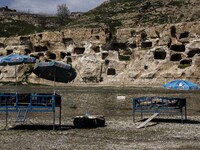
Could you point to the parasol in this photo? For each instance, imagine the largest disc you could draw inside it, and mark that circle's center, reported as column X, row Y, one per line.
column 55, row 71
column 16, row 59
column 181, row 85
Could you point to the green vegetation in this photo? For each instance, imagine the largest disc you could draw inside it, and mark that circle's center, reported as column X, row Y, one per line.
column 113, row 15
column 16, row 27
column 183, row 66
column 124, row 57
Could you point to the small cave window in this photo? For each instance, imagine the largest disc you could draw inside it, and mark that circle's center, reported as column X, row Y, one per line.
column 186, row 62
column 96, row 49
column 184, row 35
column 40, row 48
column 145, row 67
column 27, row 51
column 52, row 56
column 146, row 44
column 104, row 55
column 69, row 60
column 67, row 41
column 69, row 54
column 160, row 55
column 175, row 57
column 97, row 37
column 2, row 45
column 133, row 45
column 178, row 48
column 192, row 52
column 62, row 55
column 79, row 50
column 9, row 52
column 40, row 35
column 24, row 40
column 107, row 62
column 117, row 46
column 111, row 71
column 173, row 31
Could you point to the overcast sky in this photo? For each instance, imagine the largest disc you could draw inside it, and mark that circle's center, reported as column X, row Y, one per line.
column 50, row 6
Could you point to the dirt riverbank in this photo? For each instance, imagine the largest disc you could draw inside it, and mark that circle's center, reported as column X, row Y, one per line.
column 164, row 132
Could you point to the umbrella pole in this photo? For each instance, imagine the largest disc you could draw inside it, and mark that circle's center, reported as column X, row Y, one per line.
column 54, row 84
column 60, row 115
column 15, row 75
column 6, row 117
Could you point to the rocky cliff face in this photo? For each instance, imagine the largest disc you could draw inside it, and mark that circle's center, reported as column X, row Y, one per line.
column 134, row 56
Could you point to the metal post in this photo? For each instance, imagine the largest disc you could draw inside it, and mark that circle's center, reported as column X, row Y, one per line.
column 15, row 75
column 133, row 104
column 54, row 84
column 60, row 115
column 54, row 113
column 181, row 115
column 6, row 117
column 185, row 111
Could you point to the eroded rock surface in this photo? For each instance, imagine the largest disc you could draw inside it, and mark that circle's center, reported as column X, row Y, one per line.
column 147, row 56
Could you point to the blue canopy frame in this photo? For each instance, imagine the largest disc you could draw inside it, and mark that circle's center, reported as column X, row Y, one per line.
column 161, row 105
column 30, row 102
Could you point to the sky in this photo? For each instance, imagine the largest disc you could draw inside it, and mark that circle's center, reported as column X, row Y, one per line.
column 50, row 6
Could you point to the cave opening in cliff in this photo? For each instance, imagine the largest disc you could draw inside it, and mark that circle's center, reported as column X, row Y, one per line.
column 104, row 55
column 133, row 45
column 160, row 55
column 97, row 37
column 175, row 57
column 62, row 55
column 24, row 40
column 69, row 54
column 186, row 62
column 79, row 50
column 40, row 36
column 69, row 60
column 27, row 51
column 173, row 31
column 178, row 48
column 67, row 41
column 96, row 49
column 107, row 62
column 40, row 48
column 184, row 35
column 117, row 46
column 111, row 71
column 146, row 44
column 193, row 52
column 9, row 51
column 2, row 45
column 52, row 56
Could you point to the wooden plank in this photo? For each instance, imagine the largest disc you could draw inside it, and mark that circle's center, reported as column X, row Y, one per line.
column 148, row 120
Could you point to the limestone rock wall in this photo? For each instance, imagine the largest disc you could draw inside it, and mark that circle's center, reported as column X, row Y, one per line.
column 134, row 56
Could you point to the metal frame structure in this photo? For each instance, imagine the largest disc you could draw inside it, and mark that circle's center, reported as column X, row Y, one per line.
column 30, row 102
column 161, row 105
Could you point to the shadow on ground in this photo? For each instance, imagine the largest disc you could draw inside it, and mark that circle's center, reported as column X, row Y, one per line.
column 42, row 127
column 48, row 127
column 161, row 120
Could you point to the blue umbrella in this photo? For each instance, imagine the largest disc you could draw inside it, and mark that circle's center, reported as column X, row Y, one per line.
column 55, row 71
column 181, row 85
column 16, row 59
